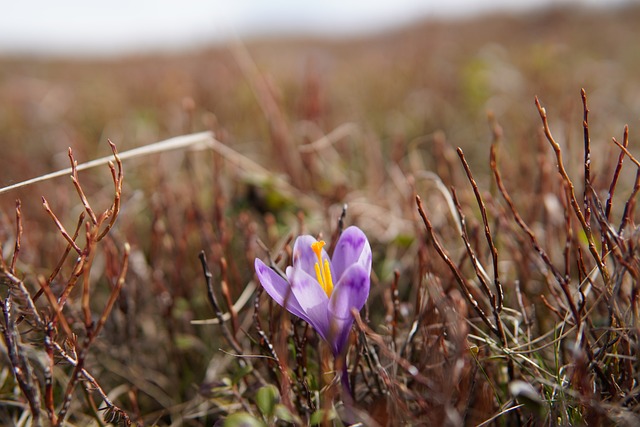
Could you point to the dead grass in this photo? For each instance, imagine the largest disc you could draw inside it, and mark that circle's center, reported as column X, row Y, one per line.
column 505, row 278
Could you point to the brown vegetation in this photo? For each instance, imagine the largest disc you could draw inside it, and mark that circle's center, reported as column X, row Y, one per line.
column 505, row 279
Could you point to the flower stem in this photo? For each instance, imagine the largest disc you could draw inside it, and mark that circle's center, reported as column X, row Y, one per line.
column 344, row 377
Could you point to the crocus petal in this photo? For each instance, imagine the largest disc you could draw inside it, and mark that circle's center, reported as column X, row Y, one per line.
column 351, row 292
column 303, row 255
column 352, row 248
column 278, row 289
column 312, row 299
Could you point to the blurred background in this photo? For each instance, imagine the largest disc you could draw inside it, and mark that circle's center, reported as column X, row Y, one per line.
column 391, row 77
column 77, row 28
column 322, row 103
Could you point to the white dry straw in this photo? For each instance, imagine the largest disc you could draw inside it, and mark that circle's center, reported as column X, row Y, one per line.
column 196, row 141
column 204, row 138
column 201, row 140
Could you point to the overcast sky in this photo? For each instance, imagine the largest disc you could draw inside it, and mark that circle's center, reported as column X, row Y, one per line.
column 73, row 27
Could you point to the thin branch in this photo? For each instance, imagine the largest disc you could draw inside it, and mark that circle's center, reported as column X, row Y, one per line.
column 20, row 287
column 224, row 288
column 118, row 178
column 616, row 173
column 454, row 269
column 587, row 157
column 532, row 237
column 63, row 231
column 79, row 190
column 574, row 202
column 94, row 385
column 16, row 250
column 213, row 300
column 626, row 151
column 487, row 230
column 479, row 269
column 20, row 366
column 404, row 363
column 115, row 291
column 629, row 204
column 65, row 254
column 89, row 252
column 57, row 308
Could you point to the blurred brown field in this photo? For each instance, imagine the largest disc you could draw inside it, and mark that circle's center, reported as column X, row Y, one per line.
column 365, row 122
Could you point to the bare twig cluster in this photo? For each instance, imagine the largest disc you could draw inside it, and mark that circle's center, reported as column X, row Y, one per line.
column 592, row 296
column 62, row 329
column 527, row 319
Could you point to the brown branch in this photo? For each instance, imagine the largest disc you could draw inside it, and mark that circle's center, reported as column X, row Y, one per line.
column 16, row 250
column 83, row 266
column 396, row 309
column 516, row 215
column 264, row 339
column 48, row 374
column 118, row 178
column 564, row 285
column 454, row 269
column 18, row 285
column 495, row 302
column 626, row 151
column 629, row 204
column 89, row 252
column 379, row 341
column 57, row 308
column 65, row 254
column 568, row 229
column 20, row 365
column 115, row 291
column 562, row 280
column 79, row 190
column 73, row 279
column 91, row 330
column 487, row 230
column 616, row 172
column 94, row 385
column 574, row 202
column 587, row 157
column 551, row 307
column 61, row 228
column 213, row 300
column 224, row 288
column 338, row 231
column 472, row 254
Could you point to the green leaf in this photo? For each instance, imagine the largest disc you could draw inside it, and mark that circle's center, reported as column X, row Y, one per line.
column 186, row 342
column 321, row 415
column 283, row 413
column 266, row 399
column 242, row 419
column 241, row 373
column 404, row 240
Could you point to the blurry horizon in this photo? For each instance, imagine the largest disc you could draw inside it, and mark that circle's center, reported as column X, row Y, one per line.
column 74, row 28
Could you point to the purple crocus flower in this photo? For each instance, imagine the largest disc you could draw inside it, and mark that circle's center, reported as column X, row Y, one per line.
column 320, row 290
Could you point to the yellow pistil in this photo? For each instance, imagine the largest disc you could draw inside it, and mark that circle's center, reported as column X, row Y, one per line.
column 323, row 272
